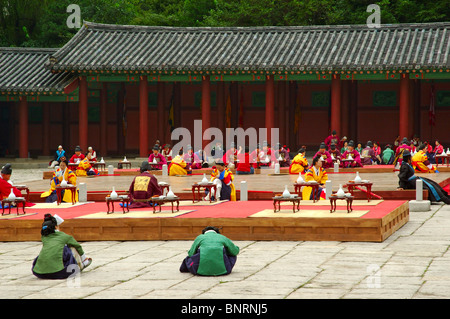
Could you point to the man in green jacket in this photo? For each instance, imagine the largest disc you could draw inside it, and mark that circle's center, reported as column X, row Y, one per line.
column 211, row 254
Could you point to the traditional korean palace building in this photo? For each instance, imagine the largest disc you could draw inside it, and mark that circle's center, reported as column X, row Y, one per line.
column 117, row 87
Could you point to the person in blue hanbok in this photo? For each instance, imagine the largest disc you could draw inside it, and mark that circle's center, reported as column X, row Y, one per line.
column 407, row 180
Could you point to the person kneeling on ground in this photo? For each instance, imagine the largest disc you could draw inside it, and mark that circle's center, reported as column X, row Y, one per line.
column 211, row 254
column 60, row 255
column 243, row 163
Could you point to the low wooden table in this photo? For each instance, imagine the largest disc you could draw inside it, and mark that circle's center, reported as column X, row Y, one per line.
column 59, row 190
column 315, row 187
column 10, row 202
column 124, row 199
column 127, row 164
column 278, row 199
column 98, row 164
column 196, row 189
column 351, row 187
column 444, row 158
column 160, row 201
column 334, row 198
column 24, row 188
column 164, row 186
column 347, row 162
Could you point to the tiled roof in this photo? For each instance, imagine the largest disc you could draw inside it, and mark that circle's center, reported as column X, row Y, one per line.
column 22, row 70
column 100, row 47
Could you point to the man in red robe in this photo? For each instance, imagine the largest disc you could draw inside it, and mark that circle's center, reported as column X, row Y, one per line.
column 143, row 187
column 333, row 139
column 77, row 157
column 5, row 185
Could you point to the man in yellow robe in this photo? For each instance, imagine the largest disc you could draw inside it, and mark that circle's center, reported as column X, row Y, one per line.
column 62, row 173
column 315, row 173
column 299, row 163
column 421, row 163
column 178, row 165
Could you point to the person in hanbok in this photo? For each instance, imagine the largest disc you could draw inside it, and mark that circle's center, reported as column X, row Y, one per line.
column 211, row 254
column 77, row 157
column 143, row 187
column 85, row 168
column 438, row 150
column 256, row 155
column 318, row 174
column 332, row 139
column 156, row 159
column 62, row 173
column 61, row 255
column 407, row 180
column 282, row 156
column 299, row 163
column 93, row 154
column 324, row 156
column 191, row 159
column 167, row 152
column 335, row 154
column 244, row 166
column 404, row 146
column 388, row 155
column 368, row 154
column 420, row 161
column 353, row 154
column 178, row 165
column 267, row 155
column 5, row 183
column 223, row 178
column 60, row 152
column 230, row 156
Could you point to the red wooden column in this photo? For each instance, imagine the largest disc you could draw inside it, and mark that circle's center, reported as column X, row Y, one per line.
column 162, row 121
column 282, row 111
column 143, row 117
column 335, row 121
column 403, row 124
column 83, row 114
column 103, row 119
column 220, row 102
column 46, row 129
column 270, row 107
column 23, row 127
column 206, row 107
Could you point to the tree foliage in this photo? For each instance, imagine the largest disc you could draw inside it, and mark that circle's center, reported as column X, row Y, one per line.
column 42, row 23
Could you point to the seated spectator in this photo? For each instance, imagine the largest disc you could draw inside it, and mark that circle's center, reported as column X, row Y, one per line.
column 167, row 152
column 211, row 254
column 352, row 154
column 191, row 159
column 420, row 161
column 93, row 154
column 388, row 155
column 60, row 255
column 325, row 156
column 282, row 156
column 368, row 154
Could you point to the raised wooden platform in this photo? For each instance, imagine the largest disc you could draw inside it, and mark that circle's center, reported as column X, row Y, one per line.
column 367, row 229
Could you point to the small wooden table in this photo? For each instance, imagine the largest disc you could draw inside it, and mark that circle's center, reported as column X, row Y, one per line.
column 348, row 199
column 347, row 162
column 98, row 164
column 124, row 199
column 24, row 188
column 315, row 187
column 127, row 164
column 59, row 190
column 160, row 201
column 164, row 186
column 444, row 158
column 278, row 199
column 10, row 202
column 196, row 189
column 351, row 186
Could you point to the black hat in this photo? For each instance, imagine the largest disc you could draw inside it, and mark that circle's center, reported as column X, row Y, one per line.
column 77, row 148
column 322, row 145
column 156, row 147
column 333, row 146
column 334, row 132
column 145, row 166
column 369, row 144
column 351, row 143
column 7, row 170
column 220, row 162
column 406, row 154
